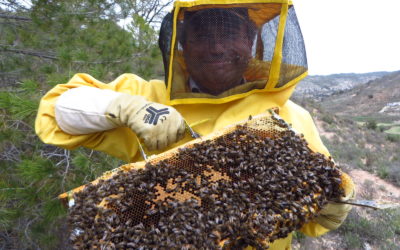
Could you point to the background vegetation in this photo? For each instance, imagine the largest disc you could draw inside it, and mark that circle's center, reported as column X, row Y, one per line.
column 43, row 43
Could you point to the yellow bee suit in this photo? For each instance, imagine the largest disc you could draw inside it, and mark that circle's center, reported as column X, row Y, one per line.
column 122, row 143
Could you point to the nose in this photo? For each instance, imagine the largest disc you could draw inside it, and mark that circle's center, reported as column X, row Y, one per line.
column 217, row 46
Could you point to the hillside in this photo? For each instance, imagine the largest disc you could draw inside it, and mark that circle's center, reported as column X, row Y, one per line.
column 359, row 123
column 361, row 126
column 378, row 97
column 321, row 86
column 371, row 157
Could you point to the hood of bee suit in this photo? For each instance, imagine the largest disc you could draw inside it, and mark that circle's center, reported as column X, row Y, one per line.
column 219, row 51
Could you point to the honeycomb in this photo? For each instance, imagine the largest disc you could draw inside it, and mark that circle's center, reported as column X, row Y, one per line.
column 248, row 184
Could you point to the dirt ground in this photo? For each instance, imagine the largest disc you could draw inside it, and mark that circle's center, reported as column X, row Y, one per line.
column 368, row 185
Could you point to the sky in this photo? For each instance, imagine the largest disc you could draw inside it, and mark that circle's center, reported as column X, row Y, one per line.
column 350, row 36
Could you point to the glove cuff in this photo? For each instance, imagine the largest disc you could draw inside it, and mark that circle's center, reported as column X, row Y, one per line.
column 331, row 222
column 82, row 110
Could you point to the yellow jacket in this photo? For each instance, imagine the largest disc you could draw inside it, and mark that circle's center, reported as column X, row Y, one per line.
column 121, row 142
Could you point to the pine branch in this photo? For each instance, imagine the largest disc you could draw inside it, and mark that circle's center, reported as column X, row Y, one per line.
column 15, row 5
column 64, row 175
column 2, row 189
column 11, row 23
column 52, row 57
column 28, row 52
column 15, row 72
column 20, row 18
column 55, row 152
column 102, row 62
column 20, row 125
column 159, row 11
column 11, row 154
column 27, row 233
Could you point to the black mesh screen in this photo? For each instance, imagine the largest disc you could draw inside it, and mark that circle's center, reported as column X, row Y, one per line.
column 220, row 52
column 268, row 34
column 294, row 60
column 164, row 41
column 216, row 45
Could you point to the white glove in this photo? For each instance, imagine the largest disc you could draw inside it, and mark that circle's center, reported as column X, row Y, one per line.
column 86, row 110
column 158, row 125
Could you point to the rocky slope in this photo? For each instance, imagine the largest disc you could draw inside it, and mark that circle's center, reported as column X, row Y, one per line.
column 321, row 86
column 376, row 97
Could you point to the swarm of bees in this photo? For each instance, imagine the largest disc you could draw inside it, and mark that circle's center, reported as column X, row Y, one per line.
column 240, row 189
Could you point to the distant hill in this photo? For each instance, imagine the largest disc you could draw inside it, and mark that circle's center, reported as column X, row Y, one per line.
column 380, row 96
column 321, row 86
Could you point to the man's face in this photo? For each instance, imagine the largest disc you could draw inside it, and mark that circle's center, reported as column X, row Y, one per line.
column 217, row 55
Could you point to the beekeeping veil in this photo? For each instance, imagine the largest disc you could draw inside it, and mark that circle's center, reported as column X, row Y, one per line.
column 219, row 51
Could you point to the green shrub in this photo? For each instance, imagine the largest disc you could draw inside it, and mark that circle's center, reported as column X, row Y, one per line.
column 371, row 124
column 393, row 137
column 327, row 118
column 368, row 189
column 352, row 241
column 394, row 173
column 383, row 172
column 381, row 228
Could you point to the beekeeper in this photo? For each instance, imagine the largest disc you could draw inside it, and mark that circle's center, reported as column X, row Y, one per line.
column 224, row 60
